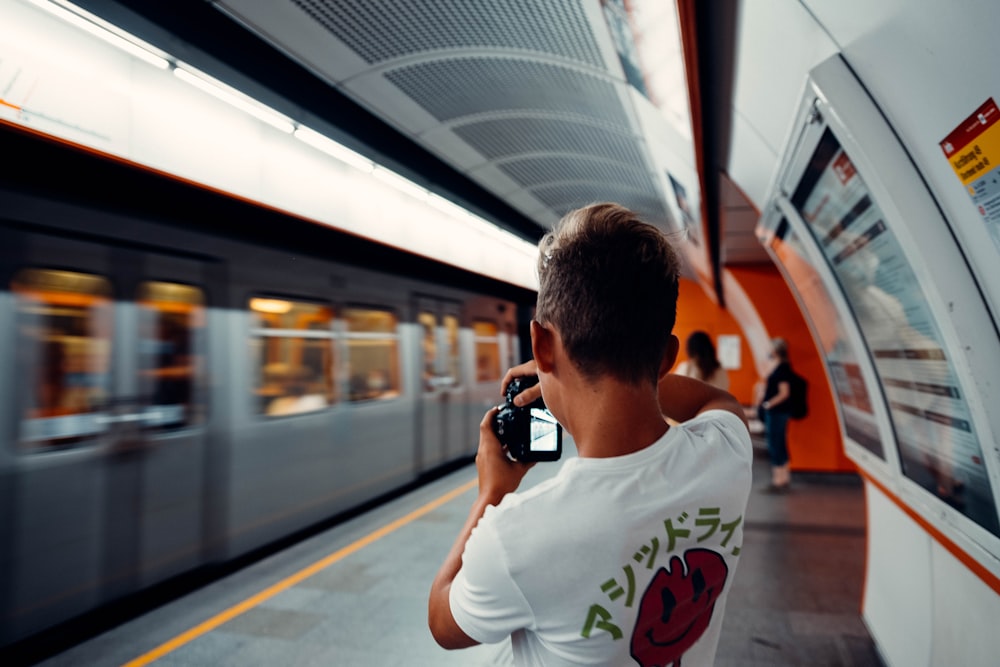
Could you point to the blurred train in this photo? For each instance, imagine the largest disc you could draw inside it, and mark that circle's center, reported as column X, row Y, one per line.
column 186, row 378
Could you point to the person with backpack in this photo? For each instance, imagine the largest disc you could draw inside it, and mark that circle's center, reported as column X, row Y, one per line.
column 784, row 399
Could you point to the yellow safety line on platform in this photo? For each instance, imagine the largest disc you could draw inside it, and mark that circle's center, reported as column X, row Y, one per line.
column 284, row 584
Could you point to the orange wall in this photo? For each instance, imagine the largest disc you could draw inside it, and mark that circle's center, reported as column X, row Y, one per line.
column 814, row 443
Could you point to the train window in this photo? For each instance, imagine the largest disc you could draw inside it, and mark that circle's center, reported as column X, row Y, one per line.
column 64, row 343
column 171, row 326
column 293, row 343
column 372, row 353
column 452, row 355
column 428, row 323
column 487, row 350
column 440, row 348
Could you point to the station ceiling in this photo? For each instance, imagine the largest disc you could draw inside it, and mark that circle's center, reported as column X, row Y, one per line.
column 518, row 110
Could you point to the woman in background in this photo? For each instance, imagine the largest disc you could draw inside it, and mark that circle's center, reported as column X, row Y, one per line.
column 702, row 364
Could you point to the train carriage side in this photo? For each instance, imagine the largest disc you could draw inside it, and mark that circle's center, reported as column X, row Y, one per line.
column 105, row 436
column 493, row 346
column 175, row 397
column 321, row 393
column 468, row 341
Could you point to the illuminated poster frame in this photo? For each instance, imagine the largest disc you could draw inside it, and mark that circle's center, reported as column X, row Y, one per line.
column 881, row 244
column 859, row 402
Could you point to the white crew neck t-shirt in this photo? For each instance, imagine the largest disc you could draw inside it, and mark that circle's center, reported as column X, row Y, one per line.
column 614, row 561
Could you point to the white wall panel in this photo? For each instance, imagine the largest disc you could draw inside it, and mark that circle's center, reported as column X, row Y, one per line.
column 956, row 590
column 928, row 65
column 897, row 607
column 779, row 42
column 752, row 161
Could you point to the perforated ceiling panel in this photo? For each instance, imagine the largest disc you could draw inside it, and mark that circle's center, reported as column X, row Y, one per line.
column 540, row 170
column 535, row 137
column 565, row 197
column 389, row 29
column 450, row 89
column 526, row 97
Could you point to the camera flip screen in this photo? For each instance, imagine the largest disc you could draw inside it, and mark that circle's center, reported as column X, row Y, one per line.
column 546, row 433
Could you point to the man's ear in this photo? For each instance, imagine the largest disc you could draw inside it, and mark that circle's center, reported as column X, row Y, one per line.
column 542, row 347
column 669, row 356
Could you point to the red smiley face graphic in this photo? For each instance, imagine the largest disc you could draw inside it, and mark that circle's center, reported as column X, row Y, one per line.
column 677, row 607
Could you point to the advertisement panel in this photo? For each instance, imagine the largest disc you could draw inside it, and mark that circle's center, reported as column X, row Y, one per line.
column 840, row 353
column 939, row 447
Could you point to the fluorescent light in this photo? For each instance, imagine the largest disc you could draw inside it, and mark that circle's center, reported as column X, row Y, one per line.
column 447, row 206
column 233, row 97
column 131, row 45
column 333, row 149
column 276, row 306
column 402, row 184
column 88, row 23
column 482, row 225
column 502, row 235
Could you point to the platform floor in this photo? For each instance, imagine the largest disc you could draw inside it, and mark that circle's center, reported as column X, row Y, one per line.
column 356, row 594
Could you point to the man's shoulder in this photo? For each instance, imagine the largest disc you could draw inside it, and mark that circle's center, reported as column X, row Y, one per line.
column 718, row 418
column 720, row 427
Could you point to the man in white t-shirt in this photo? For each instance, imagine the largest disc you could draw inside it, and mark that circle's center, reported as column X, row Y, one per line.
column 627, row 555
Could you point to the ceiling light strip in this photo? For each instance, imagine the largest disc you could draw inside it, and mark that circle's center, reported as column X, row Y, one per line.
column 325, row 144
column 131, row 45
column 90, row 24
column 233, row 97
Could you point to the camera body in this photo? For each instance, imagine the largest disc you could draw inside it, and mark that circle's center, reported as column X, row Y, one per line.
column 530, row 433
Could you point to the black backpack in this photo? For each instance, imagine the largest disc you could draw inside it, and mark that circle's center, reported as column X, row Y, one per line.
column 798, row 405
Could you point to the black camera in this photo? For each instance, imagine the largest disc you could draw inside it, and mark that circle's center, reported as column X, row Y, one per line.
column 530, row 432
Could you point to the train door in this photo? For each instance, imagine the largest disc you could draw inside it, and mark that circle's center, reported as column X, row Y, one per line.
column 161, row 412
column 442, row 406
column 107, row 423
column 490, row 350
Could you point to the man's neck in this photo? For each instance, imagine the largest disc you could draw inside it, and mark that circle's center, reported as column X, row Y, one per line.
column 614, row 419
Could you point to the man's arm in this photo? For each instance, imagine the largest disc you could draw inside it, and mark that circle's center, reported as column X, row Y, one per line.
column 446, row 631
column 682, row 398
column 498, row 476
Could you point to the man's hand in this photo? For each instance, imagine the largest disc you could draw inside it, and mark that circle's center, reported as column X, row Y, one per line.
column 498, row 473
column 529, row 395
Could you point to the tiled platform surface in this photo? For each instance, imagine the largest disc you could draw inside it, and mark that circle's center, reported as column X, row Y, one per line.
column 795, row 601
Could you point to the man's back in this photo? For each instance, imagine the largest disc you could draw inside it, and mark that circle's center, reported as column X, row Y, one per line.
column 623, row 560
